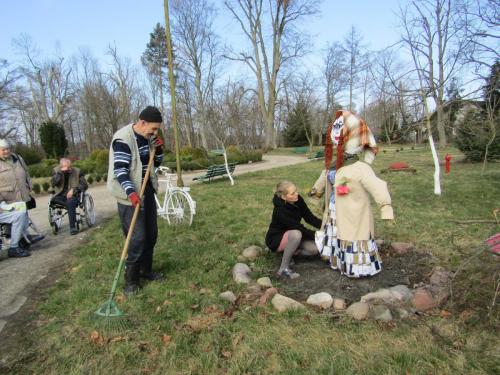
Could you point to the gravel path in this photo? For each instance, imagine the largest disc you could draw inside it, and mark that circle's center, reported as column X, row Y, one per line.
column 19, row 276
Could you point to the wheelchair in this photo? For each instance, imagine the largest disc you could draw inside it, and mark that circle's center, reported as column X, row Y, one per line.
column 84, row 212
column 25, row 243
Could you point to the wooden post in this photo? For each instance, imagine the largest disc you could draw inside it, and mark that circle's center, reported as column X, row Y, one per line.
column 172, row 93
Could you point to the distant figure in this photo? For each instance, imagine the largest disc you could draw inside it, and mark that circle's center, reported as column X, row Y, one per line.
column 68, row 183
column 128, row 161
column 286, row 234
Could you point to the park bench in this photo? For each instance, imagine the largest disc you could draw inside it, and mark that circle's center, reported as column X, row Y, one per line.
column 300, row 150
column 318, row 154
column 216, row 170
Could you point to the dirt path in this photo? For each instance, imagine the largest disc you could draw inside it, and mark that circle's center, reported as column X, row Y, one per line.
column 20, row 276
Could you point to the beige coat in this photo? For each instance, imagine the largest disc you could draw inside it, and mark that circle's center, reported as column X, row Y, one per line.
column 15, row 183
column 354, row 214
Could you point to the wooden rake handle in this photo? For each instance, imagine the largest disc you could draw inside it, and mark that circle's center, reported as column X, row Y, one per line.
column 138, row 207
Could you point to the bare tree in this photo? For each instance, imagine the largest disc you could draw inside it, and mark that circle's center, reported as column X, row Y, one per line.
column 197, row 49
column 335, row 76
column 49, row 81
column 433, row 32
column 268, row 55
column 354, row 49
column 8, row 78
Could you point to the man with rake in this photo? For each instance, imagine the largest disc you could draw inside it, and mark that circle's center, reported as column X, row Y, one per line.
column 128, row 165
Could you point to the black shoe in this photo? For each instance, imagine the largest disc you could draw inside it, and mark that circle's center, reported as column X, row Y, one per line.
column 35, row 238
column 147, row 270
column 17, row 252
column 152, row 276
column 23, row 244
column 132, row 284
column 73, row 231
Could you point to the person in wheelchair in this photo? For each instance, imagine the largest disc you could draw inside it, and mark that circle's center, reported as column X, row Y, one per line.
column 68, row 183
column 15, row 187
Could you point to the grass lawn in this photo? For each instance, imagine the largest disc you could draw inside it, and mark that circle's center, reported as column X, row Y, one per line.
column 181, row 326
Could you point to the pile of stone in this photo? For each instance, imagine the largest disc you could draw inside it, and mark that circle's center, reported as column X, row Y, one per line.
column 384, row 304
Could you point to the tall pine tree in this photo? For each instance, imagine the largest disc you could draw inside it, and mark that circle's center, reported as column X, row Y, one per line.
column 298, row 129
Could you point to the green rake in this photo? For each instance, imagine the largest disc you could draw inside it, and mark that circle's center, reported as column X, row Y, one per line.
column 109, row 309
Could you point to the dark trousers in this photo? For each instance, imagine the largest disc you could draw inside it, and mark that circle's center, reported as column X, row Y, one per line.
column 70, row 204
column 145, row 232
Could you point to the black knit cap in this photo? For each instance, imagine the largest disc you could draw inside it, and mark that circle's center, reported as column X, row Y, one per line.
column 150, row 114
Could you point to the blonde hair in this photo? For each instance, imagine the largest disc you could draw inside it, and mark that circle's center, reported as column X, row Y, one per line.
column 283, row 188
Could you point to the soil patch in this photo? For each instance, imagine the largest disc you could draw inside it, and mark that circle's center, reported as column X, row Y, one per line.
column 316, row 276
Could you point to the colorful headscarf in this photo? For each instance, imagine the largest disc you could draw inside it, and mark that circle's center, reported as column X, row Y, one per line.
column 352, row 135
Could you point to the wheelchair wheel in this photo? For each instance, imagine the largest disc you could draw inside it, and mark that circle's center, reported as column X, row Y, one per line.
column 54, row 219
column 88, row 207
column 180, row 208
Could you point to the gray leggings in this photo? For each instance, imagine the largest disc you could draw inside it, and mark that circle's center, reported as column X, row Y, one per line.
column 296, row 246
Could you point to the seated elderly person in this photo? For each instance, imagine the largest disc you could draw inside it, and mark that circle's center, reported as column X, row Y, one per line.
column 68, row 183
column 14, row 188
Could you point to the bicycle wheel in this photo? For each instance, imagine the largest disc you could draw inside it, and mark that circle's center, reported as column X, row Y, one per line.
column 180, row 208
column 88, row 207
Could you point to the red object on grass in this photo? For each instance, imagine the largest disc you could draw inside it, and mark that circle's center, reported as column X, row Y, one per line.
column 399, row 165
column 447, row 163
column 494, row 243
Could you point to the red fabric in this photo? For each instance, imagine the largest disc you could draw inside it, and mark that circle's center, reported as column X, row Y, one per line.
column 134, row 198
column 328, row 147
column 493, row 240
column 447, row 163
column 399, row 165
column 340, row 151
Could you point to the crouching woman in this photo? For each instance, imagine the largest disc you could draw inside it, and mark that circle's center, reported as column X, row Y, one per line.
column 286, row 233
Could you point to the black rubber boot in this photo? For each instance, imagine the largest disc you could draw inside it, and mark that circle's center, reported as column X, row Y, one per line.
column 132, row 284
column 17, row 252
column 147, row 271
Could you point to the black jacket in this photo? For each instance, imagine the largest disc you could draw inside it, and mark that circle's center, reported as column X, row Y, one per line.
column 287, row 216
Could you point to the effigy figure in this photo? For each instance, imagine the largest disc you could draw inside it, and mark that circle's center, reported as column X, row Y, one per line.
column 347, row 236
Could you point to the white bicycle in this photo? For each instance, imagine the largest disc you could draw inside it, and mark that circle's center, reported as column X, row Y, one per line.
column 177, row 207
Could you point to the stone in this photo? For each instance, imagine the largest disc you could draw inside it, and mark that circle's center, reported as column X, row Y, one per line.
column 381, row 312
column 283, row 303
column 380, row 296
column 265, row 282
column 358, row 310
column 269, row 293
column 240, row 273
column 253, row 288
column 440, row 277
column 251, row 252
column 423, row 300
column 401, row 248
column 323, row 300
column 403, row 313
column 228, row 296
column 401, row 292
column 241, row 259
column 339, row 304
